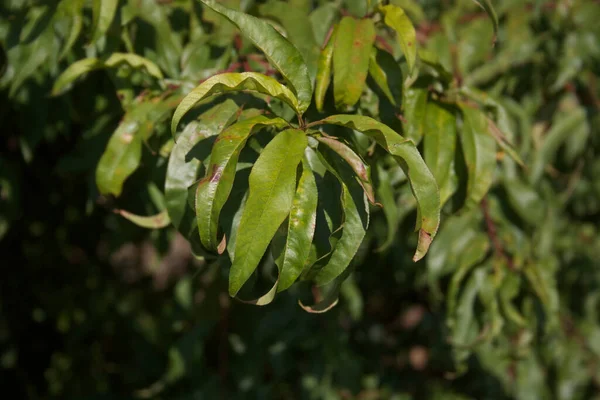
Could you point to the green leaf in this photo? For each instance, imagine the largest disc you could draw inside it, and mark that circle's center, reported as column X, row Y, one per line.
column 396, row 18
column 421, row 180
column 324, row 71
column 272, row 185
column 104, row 12
column 298, row 28
column 214, row 189
column 479, row 149
column 489, row 9
column 278, row 50
column 387, row 74
column 352, row 49
column 183, row 168
column 157, row 221
column 300, row 229
column 86, row 65
column 232, row 82
column 355, row 222
column 122, row 155
column 525, row 201
column 439, row 145
column 414, row 109
column 360, row 168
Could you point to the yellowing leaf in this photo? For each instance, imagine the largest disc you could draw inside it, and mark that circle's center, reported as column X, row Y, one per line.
column 396, row 18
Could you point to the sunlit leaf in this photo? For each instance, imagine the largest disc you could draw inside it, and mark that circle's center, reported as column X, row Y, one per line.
column 324, row 71
column 422, row 182
column 396, row 18
column 214, row 189
column 232, row 82
column 157, row 221
column 271, row 194
column 104, row 12
column 278, row 50
column 300, row 229
column 352, row 49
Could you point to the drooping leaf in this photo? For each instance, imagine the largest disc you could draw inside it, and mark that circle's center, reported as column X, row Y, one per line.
column 278, row 50
column 231, row 82
column 104, row 12
column 86, row 65
column 324, row 71
column 525, row 201
column 439, row 146
column 300, row 229
column 123, row 152
column 182, row 169
column 157, row 221
column 352, row 49
column 396, row 18
column 355, row 220
column 214, row 189
column 360, row 168
column 422, row 182
column 387, row 75
column 298, row 28
column 272, row 185
column 479, row 149
column 414, row 109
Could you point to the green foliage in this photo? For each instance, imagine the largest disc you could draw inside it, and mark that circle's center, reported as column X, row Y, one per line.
column 177, row 142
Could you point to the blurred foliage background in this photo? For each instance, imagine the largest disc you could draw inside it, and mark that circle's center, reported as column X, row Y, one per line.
column 505, row 305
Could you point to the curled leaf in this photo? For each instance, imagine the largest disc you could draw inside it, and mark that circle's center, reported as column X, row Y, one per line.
column 278, row 50
column 231, row 82
column 157, row 221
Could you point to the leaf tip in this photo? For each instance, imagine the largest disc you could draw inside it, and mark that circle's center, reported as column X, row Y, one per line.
column 425, row 239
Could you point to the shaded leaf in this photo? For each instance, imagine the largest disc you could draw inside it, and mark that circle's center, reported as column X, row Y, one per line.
column 479, row 149
column 439, row 144
column 387, row 75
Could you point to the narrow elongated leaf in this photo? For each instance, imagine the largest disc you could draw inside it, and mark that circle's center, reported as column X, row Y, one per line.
column 121, row 157
column 489, row 9
column 214, row 189
column 104, row 12
column 300, row 229
column 396, row 18
column 421, row 180
column 387, row 75
column 157, row 221
column 278, row 50
column 298, row 28
column 324, row 71
column 272, row 185
column 439, row 146
column 352, row 49
column 414, row 109
column 479, row 149
column 354, row 225
column 360, row 168
column 231, row 82
column 182, row 170
column 86, row 65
